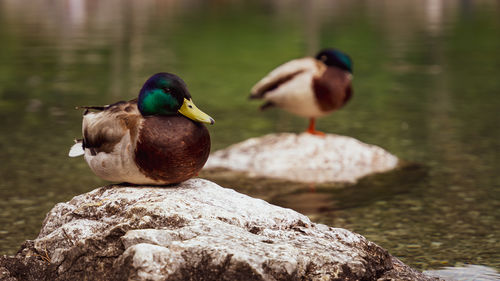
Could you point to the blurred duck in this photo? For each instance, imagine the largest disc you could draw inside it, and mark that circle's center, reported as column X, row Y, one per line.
column 157, row 138
column 308, row 87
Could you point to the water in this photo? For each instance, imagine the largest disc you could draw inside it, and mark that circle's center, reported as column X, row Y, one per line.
column 426, row 88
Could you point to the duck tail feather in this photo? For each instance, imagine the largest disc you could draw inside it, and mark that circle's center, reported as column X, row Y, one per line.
column 76, row 149
column 88, row 108
column 266, row 105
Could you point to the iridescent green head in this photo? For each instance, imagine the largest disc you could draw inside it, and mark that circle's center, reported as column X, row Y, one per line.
column 166, row 94
column 334, row 57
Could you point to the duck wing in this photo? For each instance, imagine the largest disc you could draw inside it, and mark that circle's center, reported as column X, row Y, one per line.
column 283, row 74
column 104, row 128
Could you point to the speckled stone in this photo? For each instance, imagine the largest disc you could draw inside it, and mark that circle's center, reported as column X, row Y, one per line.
column 194, row 231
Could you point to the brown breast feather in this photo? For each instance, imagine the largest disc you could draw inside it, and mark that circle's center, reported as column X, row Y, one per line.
column 171, row 149
column 332, row 89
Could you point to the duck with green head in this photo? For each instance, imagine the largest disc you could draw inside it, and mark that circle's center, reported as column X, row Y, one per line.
column 308, row 87
column 158, row 138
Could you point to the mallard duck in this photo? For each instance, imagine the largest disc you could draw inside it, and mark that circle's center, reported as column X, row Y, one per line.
column 158, row 138
column 308, row 87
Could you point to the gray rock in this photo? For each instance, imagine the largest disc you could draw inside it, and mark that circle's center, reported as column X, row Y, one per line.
column 194, row 231
column 304, row 158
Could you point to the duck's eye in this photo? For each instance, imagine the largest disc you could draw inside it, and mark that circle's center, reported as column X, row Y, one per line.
column 167, row 90
column 190, row 106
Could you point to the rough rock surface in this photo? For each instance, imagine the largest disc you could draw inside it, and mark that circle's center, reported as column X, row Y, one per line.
column 304, row 158
column 194, row 231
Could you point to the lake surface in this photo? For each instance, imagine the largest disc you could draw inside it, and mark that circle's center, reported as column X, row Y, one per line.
column 426, row 88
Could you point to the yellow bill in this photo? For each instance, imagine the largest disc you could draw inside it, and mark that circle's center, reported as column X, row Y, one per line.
column 190, row 110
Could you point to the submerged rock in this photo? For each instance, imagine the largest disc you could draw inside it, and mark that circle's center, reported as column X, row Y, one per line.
column 194, row 231
column 304, row 158
column 466, row 273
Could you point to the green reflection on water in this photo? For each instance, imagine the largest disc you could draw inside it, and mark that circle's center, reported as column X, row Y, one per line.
column 426, row 88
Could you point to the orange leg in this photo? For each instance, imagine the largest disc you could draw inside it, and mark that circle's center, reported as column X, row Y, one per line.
column 311, row 130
